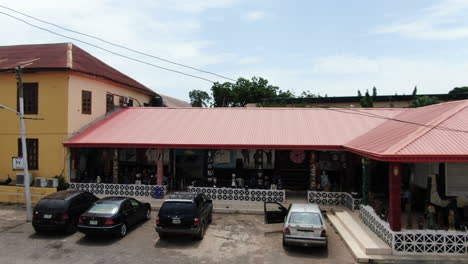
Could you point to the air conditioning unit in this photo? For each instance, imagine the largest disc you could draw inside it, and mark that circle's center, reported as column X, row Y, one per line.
column 52, row 183
column 40, row 182
column 20, row 178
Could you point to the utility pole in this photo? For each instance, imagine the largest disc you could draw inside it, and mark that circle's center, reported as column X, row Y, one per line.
column 19, row 77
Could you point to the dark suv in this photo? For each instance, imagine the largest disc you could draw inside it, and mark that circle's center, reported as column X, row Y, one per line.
column 60, row 211
column 184, row 213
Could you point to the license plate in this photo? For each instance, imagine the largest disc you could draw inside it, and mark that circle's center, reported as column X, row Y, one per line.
column 176, row 221
column 93, row 222
column 47, row 216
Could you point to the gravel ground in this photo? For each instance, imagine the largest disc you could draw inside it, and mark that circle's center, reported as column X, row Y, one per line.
column 231, row 238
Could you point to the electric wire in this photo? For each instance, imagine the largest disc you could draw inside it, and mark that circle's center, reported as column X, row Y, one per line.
column 117, row 45
column 107, row 50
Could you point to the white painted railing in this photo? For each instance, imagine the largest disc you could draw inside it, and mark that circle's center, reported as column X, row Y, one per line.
column 333, row 198
column 416, row 242
column 236, row 194
column 138, row 190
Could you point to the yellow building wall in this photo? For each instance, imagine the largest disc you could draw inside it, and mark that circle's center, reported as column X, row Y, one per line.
column 51, row 132
column 14, row 194
column 99, row 88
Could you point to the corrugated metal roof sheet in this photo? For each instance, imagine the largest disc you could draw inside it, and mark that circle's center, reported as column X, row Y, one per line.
column 279, row 128
column 425, row 131
column 433, row 133
column 62, row 56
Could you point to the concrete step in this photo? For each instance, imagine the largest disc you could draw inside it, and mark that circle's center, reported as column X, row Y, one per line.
column 370, row 243
column 350, row 241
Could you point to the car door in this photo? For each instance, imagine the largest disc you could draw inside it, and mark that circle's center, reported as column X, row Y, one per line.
column 128, row 212
column 138, row 209
column 275, row 213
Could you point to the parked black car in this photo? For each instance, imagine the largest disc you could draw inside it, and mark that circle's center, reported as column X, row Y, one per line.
column 60, row 211
column 113, row 215
column 184, row 213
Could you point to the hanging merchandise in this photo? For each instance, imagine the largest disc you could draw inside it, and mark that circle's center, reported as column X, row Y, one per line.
column 210, row 170
column 297, row 156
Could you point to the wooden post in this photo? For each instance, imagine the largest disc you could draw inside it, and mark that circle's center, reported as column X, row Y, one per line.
column 394, row 218
column 160, row 164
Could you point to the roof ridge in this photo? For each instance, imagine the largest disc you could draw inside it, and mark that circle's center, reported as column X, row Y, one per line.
column 423, row 130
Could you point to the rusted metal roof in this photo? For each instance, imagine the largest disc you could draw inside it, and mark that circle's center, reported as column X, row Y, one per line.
column 62, row 56
column 250, row 128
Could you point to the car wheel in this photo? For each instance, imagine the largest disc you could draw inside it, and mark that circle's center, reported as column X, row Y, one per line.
column 38, row 230
column 284, row 244
column 123, row 230
column 210, row 219
column 71, row 227
column 201, row 233
column 148, row 214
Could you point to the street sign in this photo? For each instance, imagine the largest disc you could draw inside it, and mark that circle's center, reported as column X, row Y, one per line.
column 17, row 163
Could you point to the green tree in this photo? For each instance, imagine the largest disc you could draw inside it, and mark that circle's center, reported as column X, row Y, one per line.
column 286, row 94
column 245, row 91
column 367, row 101
column 199, row 98
column 423, row 101
column 415, row 91
column 458, row 90
column 308, row 94
column 359, row 95
column 374, row 92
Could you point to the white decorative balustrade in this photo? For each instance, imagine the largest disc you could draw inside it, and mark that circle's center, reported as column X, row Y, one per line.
column 333, row 198
column 138, row 190
column 237, row 194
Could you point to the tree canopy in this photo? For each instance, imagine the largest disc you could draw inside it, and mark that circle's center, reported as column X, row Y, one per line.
column 458, row 90
column 423, row 101
column 199, row 98
column 367, row 101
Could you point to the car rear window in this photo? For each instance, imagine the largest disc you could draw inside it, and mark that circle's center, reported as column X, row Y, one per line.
column 305, row 218
column 104, row 208
column 51, row 204
column 188, row 207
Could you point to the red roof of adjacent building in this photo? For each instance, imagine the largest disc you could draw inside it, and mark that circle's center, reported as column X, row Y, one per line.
column 63, row 56
column 432, row 133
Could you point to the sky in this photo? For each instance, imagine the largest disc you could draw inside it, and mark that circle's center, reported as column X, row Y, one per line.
column 328, row 47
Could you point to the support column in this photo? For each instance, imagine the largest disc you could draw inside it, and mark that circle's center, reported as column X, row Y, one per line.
column 394, row 177
column 313, row 170
column 365, row 180
column 115, row 166
column 160, row 169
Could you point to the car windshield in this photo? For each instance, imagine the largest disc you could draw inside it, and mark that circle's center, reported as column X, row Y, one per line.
column 104, row 208
column 177, row 207
column 50, row 204
column 305, row 218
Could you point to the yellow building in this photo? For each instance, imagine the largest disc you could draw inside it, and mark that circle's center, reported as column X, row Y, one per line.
column 69, row 89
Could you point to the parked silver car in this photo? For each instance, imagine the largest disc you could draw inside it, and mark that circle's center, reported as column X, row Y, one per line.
column 303, row 224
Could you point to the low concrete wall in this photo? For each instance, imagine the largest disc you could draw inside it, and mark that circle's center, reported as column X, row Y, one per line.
column 15, row 194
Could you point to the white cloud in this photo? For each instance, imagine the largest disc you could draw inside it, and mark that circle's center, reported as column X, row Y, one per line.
column 255, row 15
column 249, row 60
column 443, row 21
column 345, row 64
column 197, row 6
column 328, row 75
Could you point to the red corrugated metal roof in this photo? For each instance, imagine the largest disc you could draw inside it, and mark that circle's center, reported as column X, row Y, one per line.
column 278, row 128
column 433, row 133
column 439, row 130
column 63, row 56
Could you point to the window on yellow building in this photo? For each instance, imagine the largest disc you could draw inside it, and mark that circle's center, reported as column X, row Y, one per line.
column 30, row 98
column 86, row 102
column 32, row 147
column 109, row 102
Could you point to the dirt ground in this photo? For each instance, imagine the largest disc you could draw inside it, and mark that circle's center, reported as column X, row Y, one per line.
column 231, row 238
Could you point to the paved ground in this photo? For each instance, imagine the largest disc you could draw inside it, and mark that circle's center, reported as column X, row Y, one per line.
column 231, row 238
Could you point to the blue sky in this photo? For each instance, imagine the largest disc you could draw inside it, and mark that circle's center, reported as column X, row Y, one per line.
column 328, row 47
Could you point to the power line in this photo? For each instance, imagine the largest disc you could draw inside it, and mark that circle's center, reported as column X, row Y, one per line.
column 109, row 51
column 357, row 112
column 118, row 45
